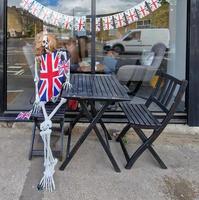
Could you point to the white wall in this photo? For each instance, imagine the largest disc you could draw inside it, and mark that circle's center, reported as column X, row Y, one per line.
column 177, row 23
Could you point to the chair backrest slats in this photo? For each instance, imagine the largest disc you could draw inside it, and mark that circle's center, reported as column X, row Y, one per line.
column 176, row 102
column 162, row 90
column 160, row 105
column 167, row 94
column 170, row 95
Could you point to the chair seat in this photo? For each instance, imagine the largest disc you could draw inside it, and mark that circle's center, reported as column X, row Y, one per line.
column 49, row 108
column 139, row 115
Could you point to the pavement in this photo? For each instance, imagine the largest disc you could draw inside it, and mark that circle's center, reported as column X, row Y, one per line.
column 90, row 175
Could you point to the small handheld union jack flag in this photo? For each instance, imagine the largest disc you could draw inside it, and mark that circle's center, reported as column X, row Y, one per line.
column 64, row 63
column 51, row 75
column 23, row 115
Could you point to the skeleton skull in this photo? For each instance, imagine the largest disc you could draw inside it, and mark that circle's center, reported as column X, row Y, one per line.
column 45, row 42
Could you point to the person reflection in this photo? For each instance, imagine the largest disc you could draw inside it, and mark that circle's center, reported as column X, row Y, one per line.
column 109, row 62
column 75, row 59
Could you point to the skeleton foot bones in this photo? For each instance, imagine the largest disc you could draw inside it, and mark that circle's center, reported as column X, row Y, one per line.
column 47, row 181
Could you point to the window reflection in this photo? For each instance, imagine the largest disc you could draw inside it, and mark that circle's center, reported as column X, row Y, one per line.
column 21, row 32
column 145, row 47
column 134, row 52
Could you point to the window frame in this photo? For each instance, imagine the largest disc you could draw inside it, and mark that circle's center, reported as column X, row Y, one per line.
column 192, row 9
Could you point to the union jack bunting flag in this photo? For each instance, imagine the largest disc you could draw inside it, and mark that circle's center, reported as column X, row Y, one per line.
column 154, row 4
column 142, row 9
column 107, row 23
column 35, row 8
column 56, row 18
column 25, row 4
column 80, row 23
column 51, row 80
column 131, row 15
column 46, row 15
column 23, row 115
column 98, row 24
column 120, row 20
column 68, row 22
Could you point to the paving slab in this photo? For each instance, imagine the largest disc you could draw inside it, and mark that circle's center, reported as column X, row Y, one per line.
column 90, row 175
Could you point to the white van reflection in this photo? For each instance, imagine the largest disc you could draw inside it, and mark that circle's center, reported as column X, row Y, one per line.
column 138, row 40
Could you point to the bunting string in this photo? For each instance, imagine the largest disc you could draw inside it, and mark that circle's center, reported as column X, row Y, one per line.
column 78, row 23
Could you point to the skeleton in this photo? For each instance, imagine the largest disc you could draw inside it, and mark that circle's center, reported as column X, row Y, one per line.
column 47, row 181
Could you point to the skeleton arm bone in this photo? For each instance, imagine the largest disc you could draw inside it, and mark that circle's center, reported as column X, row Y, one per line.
column 36, row 80
column 57, row 108
column 36, row 106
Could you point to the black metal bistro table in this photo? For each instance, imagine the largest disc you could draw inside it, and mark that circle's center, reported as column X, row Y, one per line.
column 88, row 88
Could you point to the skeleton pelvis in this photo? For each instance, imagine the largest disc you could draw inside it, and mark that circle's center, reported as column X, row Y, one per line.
column 47, row 124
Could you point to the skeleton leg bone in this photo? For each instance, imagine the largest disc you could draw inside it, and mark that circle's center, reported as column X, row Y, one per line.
column 47, row 181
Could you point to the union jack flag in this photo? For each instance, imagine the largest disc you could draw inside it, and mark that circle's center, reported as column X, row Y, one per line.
column 131, row 15
column 107, row 23
column 119, row 20
column 25, row 4
column 98, row 24
column 51, row 80
column 64, row 63
column 80, row 23
column 154, row 4
column 143, row 10
column 23, row 115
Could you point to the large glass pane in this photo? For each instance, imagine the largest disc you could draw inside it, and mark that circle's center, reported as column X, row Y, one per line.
column 136, row 39
column 24, row 24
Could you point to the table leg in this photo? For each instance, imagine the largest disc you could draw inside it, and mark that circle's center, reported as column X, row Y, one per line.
column 105, row 146
column 82, row 138
column 101, row 122
column 91, row 126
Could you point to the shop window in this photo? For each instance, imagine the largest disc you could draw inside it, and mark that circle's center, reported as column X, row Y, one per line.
column 22, row 27
column 116, row 36
column 141, row 54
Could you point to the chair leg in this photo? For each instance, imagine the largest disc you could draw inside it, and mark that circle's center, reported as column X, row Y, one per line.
column 68, row 144
column 124, row 151
column 146, row 145
column 119, row 139
column 32, row 140
column 150, row 148
column 62, row 140
column 123, row 132
column 137, row 154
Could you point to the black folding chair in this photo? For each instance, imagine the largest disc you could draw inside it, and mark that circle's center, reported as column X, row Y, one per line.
column 167, row 95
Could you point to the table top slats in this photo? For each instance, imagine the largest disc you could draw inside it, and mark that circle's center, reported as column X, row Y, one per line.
column 111, row 87
column 92, row 85
column 105, row 86
column 95, row 83
column 72, row 81
column 88, row 86
column 95, row 87
column 79, row 86
column 120, row 89
column 74, row 85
